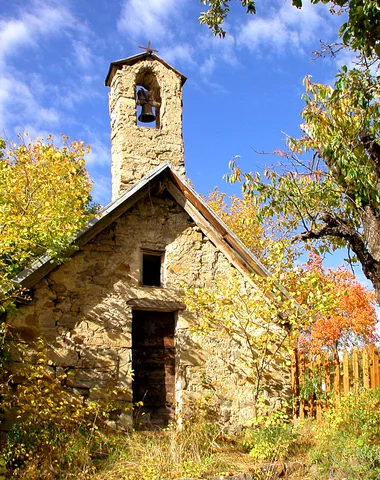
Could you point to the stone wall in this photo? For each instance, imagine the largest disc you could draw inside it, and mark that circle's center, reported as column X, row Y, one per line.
column 136, row 150
column 83, row 310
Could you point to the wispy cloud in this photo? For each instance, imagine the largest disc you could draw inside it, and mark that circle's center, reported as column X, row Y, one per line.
column 25, row 106
column 101, row 191
column 100, row 152
column 176, row 35
column 283, row 28
column 30, row 99
column 13, row 34
column 83, row 54
column 183, row 53
column 38, row 20
column 215, row 51
column 152, row 18
column 208, row 66
column 223, row 48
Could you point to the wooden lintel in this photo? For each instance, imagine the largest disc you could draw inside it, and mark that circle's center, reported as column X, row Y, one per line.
column 156, row 304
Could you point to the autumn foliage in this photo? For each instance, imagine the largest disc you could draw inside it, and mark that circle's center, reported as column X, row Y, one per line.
column 351, row 318
column 264, row 239
column 44, row 200
column 337, row 310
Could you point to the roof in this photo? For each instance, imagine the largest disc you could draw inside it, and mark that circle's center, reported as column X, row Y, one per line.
column 134, row 59
column 193, row 204
column 206, row 219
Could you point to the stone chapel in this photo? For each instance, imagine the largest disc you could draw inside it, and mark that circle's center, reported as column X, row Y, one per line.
column 117, row 306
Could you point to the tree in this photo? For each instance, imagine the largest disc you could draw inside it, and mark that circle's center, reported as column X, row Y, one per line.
column 360, row 32
column 338, row 310
column 44, row 200
column 351, row 319
column 333, row 196
column 264, row 239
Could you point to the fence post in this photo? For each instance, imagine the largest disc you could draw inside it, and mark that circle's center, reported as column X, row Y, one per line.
column 327, row 372
column 375, row 359
column 366, row 379
column 318, row 414
column 336, row 377
column 355, row 369
column 373, row 362
column 346, row 373
column 329, row 376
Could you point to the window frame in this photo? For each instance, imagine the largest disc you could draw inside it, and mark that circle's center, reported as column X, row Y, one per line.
column 156, row 253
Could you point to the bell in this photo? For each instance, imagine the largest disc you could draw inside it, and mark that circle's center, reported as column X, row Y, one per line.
column 147, row 115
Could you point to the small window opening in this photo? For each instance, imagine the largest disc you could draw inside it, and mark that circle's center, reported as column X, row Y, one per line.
column 151, row 268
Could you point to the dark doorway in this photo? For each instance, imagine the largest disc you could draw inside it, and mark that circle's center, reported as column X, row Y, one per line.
column 153, row 364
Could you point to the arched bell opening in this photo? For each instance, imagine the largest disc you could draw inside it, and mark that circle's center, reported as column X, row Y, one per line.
column 148, row 100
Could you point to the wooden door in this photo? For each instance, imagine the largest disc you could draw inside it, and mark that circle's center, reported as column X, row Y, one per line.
column 153, row 364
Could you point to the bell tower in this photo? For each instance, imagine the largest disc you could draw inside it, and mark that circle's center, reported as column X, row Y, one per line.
column 145, row 104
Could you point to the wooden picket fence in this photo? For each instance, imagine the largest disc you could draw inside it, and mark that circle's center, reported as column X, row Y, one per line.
column 318, row 380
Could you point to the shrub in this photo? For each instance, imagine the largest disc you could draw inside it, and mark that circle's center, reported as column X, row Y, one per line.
column 270, row 443
column 56, row 432
column 272, row 436
column 348, row 439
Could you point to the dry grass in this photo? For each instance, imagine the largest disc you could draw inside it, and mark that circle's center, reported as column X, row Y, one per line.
column 344, row 445
column 172, row 454
column 196, row 451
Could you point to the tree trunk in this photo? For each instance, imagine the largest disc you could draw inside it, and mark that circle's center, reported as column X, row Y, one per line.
column 371, row 233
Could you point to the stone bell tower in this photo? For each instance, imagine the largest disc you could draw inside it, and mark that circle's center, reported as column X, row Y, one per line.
column 139, row 147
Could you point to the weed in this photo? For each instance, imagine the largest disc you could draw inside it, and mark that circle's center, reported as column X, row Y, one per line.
column 348, row 439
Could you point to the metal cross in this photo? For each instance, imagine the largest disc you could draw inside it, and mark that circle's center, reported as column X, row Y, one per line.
column 148, row 49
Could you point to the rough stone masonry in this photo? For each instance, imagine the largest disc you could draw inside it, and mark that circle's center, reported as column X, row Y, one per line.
column 137, row 149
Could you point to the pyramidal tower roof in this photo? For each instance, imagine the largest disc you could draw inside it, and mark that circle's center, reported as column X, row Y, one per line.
column 118, row 64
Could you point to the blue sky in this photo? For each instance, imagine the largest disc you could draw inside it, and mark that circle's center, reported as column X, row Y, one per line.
column 242, row 92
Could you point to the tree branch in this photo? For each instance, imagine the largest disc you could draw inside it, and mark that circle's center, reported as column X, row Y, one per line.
column 337, row 227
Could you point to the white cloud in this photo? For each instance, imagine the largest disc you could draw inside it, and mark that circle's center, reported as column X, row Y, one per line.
column 12, row 34
column 26, row 99
column 208, row 66
column 101, row 190
column 83, row 54
column 100, row 153
column 170, row 24
column 346, row 57
column 25, row 106
column 146, row 19
column 286, row 27
column 269, row 32
column 179, row 54
column 222, row 49
column 34, row 133
column 40, row 19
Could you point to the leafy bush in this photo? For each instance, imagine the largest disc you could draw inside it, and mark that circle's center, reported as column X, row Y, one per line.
column 55, row 433
column 270, row 443
column 272, row 436
column 347, row 441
